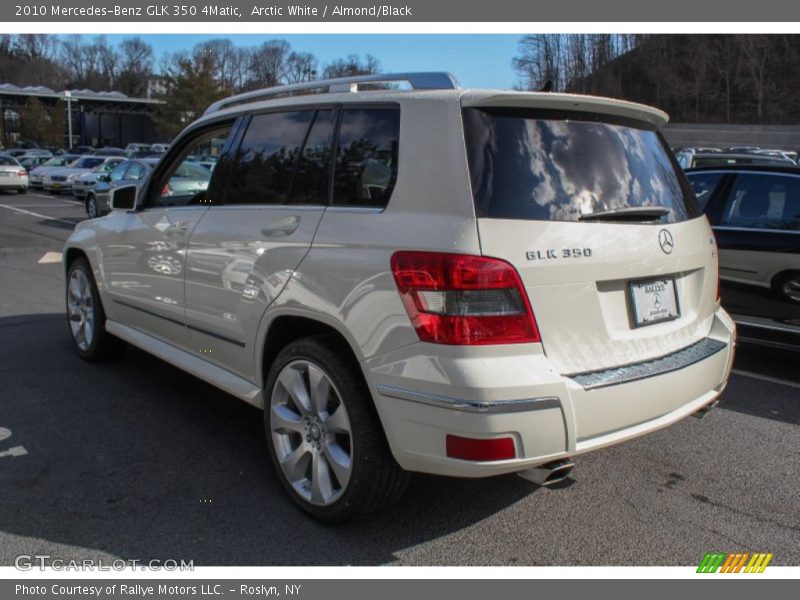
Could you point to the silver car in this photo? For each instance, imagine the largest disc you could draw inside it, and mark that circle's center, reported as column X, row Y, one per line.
column 457, row 282
column 37, row 175
column 13, row 175
column 87, row 181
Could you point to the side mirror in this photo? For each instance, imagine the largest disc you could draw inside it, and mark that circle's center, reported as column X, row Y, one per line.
column 123, row 198
column 105, row 178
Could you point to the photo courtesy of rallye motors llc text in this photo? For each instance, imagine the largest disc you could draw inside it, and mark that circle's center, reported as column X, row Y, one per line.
column 147, row 590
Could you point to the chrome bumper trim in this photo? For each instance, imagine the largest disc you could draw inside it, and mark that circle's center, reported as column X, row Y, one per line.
column 475, row 406
column 650, row 368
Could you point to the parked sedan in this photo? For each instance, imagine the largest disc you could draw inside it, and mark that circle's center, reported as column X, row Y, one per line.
column 59, row 180
column 31, row 161
column 36, row 176
column 85, row 182
column 12, row 175
column 755, row 214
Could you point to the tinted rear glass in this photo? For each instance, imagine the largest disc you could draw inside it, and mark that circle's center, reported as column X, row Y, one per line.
column 262, row 168
column 535, row 165
column 366, row 159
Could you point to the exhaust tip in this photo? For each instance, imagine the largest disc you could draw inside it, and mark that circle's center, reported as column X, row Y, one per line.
column 549, row 473
column 703, row 411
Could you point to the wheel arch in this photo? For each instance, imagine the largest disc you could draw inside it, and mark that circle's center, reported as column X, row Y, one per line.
column 72, row 254
column 284, row 328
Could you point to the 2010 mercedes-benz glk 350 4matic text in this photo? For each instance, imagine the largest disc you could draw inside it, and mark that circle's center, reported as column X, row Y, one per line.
column 456, row 282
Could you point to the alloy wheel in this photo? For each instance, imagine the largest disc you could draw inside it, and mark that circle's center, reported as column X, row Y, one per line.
column 80, row 307
column 791, row 289
column 311, row 433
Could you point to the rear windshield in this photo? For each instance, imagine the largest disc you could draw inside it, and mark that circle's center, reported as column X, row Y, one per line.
column 545, row 166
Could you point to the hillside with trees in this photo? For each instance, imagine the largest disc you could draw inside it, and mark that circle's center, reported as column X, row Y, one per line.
column 695, row 78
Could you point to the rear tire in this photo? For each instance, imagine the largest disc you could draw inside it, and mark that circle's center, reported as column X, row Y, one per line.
column 86, row 318
column 324, row 437
column 22, row 190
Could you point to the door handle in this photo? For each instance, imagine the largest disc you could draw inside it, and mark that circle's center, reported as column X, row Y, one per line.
column 281, row 227
column 177, row 227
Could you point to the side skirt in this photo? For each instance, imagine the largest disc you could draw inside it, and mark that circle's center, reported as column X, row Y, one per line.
column 210, row 373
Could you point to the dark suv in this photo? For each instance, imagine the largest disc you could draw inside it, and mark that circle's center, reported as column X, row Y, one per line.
column 755, row 214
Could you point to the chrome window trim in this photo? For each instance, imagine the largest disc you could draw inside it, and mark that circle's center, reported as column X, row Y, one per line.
column 473, row 406
column 751, row 229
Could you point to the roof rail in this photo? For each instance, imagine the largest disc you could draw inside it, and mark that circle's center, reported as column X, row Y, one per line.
column 417, row 81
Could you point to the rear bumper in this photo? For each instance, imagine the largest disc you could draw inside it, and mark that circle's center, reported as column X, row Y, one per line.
column 517, row 393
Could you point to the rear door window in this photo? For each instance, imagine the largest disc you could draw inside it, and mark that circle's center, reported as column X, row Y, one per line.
column 763, row 201
column 366, row 157
column 260, row 171
column 548, row 166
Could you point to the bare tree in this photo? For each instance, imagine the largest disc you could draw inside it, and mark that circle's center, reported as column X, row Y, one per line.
column 136, row 66
column 539, row 62
column 300, row 67
column 268, row 63
column 352, row 65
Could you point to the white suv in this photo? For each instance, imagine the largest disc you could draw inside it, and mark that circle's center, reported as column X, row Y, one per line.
column 465, row 283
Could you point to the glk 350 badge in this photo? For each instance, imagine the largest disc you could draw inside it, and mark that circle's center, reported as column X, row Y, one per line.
column 555, row 253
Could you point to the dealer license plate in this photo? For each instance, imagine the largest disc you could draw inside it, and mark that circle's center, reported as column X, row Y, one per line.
column 653, row 301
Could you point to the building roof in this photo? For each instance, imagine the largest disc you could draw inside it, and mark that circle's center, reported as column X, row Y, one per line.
column 40, row 91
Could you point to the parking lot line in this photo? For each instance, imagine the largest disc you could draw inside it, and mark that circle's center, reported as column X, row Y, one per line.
column 15, row 451
column 767, row 378
column 37, row 215
column 51, row 197
column 37, row 205
column 50, row 257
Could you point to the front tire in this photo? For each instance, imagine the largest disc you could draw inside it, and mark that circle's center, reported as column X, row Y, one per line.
column 325, row 440
column 91, row 206
column 86, row 317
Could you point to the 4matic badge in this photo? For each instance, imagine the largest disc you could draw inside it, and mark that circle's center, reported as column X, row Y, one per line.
column 554, row 253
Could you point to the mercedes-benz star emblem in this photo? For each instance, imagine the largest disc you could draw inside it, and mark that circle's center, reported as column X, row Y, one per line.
column 665, row 241
column 656, row 301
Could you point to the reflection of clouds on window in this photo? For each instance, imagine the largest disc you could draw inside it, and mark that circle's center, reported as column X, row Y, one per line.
column 559, row 169
column 543, row 193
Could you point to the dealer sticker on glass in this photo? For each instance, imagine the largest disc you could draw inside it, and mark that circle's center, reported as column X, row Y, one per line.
column 653, row 301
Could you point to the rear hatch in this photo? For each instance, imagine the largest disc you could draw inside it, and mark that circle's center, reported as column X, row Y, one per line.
column 590, row 207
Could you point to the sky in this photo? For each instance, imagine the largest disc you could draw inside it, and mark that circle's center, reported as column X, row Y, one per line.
column 477, row 60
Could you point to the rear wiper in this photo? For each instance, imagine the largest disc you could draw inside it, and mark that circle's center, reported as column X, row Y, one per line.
column 629, row 213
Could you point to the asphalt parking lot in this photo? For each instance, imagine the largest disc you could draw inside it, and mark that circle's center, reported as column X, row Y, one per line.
column 137, row 460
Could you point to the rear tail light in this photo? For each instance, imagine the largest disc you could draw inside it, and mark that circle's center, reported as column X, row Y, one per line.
column 461, row 299
column 480, row 450
column 166, row 190
column 22, row 173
